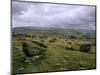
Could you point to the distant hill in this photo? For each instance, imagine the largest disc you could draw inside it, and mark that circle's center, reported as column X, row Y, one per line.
column 42, row 29
column 78, row 33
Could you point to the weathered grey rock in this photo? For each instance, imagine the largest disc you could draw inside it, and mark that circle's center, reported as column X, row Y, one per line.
column 21, row 68
column 85, row 47
column 32, row 50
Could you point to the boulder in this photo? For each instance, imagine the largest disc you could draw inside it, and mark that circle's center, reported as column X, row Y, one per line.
column 85, row 47
column 31, row 49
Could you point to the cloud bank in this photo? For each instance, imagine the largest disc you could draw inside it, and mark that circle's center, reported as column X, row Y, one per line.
column 52, row 15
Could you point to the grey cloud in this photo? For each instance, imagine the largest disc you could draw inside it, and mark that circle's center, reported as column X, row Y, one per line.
column 53, row 15
column 19, row 7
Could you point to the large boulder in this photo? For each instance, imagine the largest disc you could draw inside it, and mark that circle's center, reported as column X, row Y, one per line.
column 32, row 49
column 85, row 47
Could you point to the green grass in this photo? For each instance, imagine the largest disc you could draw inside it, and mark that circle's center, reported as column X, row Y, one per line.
column 57, row 58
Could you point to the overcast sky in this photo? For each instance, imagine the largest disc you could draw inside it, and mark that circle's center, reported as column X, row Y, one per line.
column 52, row 15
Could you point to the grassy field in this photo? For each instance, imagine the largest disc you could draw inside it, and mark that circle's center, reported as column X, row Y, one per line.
column 62, row 52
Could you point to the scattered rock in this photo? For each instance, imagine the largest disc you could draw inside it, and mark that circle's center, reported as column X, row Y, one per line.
column 21, row 68
column 69, row 42
column 52, row 40
column 35, row 57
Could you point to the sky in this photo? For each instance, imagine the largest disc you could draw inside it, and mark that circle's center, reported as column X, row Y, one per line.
column 30, row 14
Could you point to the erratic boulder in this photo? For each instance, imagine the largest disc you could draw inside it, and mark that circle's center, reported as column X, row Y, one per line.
column 85, row 47
column 32, row 49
